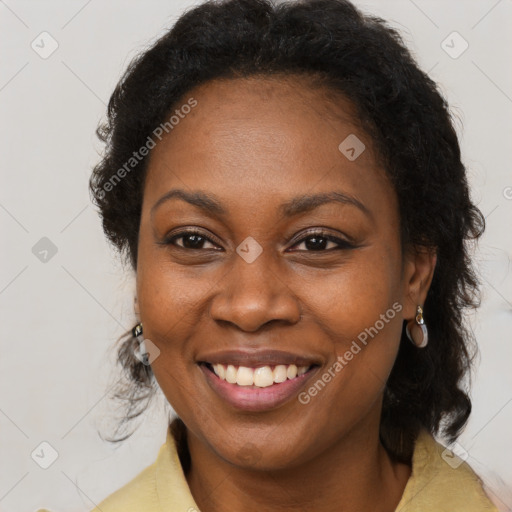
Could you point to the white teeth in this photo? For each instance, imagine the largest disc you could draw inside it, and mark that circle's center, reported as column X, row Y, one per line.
column 231, row 374
column 220, row 370
column 262, row 377
column 245, row 376
column 280, row 373
column 291, row 371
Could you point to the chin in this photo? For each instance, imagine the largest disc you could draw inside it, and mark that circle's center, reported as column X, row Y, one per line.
column 263, row 454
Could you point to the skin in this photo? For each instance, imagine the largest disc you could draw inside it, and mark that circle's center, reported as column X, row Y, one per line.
column 256, row 143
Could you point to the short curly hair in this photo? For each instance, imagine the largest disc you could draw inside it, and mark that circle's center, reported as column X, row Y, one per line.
column 400, row 108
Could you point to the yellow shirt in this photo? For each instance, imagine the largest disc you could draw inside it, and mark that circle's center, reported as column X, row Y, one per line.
column 434, row 485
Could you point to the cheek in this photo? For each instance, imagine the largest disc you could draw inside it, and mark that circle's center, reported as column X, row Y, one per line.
column 358, row 308
column 169, row 302
column 353, row 298
column 170, row 305
column 171, row 296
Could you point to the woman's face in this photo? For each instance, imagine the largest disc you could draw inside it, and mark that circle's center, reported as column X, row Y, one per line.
column 258, row 277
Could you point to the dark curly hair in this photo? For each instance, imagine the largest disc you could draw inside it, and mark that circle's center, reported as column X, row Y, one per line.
column 331, row 43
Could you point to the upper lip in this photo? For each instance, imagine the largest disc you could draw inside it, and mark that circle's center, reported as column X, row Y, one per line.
column 254, row 358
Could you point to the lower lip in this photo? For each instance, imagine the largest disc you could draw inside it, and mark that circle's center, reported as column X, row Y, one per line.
column 256, row 399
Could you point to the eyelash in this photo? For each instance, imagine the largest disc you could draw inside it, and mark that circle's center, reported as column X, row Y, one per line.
column 342, row 244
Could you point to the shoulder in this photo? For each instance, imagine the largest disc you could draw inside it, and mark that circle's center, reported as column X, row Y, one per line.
column 441, row 480
column 138, row 494
column 160, row 486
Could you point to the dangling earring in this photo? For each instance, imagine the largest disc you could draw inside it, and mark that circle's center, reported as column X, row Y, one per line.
column 419, row 334
column 140, row 353
column 137, row 331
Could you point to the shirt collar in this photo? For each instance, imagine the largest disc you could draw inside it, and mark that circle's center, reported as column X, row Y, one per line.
column 434, row 484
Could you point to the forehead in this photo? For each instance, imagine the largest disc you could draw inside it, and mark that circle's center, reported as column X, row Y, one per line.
column 266, row 137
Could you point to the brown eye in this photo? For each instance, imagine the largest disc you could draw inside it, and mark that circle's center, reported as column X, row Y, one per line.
column 321, row 241
column 191, row 240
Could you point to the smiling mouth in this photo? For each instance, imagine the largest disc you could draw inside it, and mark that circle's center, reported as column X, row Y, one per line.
column 257, row 377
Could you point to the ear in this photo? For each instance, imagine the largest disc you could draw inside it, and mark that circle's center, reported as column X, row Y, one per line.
column 419, row 266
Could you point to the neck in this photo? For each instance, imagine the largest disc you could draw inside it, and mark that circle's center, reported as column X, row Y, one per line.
column 356, row 475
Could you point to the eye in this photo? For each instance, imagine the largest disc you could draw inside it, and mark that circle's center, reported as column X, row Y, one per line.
column 316, row 241
column 321, row 241
column 191, row 240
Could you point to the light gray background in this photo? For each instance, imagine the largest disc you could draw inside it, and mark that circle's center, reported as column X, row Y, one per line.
column 60, row 318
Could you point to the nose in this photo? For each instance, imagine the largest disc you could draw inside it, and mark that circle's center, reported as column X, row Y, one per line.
column 254, row 294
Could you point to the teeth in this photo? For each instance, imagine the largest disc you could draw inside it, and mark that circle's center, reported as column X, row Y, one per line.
column 261, row 377
column 220, row 370
column 231, row 374
column 291, row 371
column 280, row 373
column 245, row 376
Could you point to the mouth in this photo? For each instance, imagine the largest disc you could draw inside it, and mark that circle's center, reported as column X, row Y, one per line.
column 259, row 377
column 256, row 388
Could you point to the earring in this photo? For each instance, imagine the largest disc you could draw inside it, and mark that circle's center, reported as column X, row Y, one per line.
column 419, row 334
column 141, row 353
column 137, row 331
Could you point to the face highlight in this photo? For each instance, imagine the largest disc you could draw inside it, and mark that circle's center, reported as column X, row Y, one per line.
column 264, row 253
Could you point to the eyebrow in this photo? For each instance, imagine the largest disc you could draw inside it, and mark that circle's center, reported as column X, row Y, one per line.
column 210, row 204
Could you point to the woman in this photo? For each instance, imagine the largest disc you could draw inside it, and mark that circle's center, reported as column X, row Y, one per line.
column 287, row 185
